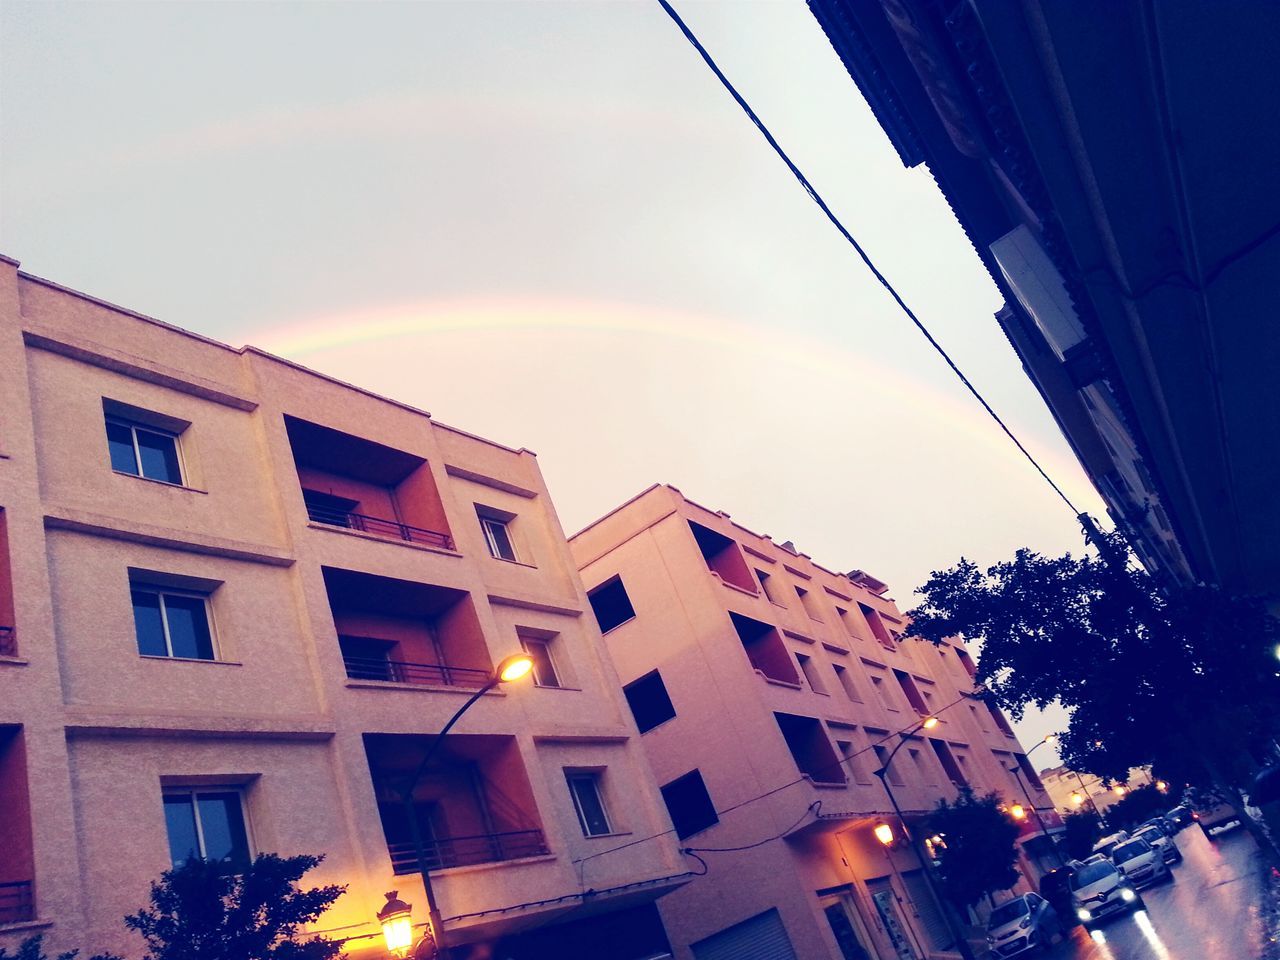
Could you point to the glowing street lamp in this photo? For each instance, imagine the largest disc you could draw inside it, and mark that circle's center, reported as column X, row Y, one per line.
column 1162, row 786
column 884, row 833
column 514, row 667
column 930, row 723
column 397, row 926
column 1018, row 811
column 1119, row 789
column 1077, row 798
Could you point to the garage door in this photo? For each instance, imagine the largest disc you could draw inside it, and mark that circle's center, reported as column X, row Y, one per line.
column 762, row 937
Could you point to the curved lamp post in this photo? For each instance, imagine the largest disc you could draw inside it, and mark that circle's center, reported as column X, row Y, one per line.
column 957, row 936
column 394, row 917
column 1016, row 770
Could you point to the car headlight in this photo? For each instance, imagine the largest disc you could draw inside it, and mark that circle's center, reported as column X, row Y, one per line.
column 1084, row 914
column 1026, row 922
column 1127, row 895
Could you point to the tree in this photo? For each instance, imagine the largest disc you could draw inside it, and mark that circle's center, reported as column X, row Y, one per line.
column 1083, row 828
column 1138, row 806
column 1185, row 681
column 981, row 847
column 199, row 911
column 32, row 948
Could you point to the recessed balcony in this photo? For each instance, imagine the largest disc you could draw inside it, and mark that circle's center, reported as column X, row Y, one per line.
column 398, row 631
column 765, row 649
column 473, row 805
column 367, row 487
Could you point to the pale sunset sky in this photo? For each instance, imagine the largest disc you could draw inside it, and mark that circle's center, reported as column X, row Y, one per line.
column 547, row 223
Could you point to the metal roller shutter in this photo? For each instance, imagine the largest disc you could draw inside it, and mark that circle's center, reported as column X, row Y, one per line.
column 762, row 937
column 925, row 907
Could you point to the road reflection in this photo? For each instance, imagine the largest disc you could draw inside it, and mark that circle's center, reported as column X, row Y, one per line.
column 1149, row 934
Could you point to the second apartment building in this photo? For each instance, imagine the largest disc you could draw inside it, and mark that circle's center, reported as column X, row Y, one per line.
column 768, row 690
column 239, row 599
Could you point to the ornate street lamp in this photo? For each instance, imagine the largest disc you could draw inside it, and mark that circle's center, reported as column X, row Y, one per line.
column 884, row 833
column 397, row 925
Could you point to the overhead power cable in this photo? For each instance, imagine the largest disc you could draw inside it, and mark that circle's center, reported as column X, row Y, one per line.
column 844, row 232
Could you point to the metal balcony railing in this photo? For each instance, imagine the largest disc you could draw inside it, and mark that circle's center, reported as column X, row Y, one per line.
column 8, row 642
column 17, row 903
column 466, row 851
column 377, row 526
column 429, row 674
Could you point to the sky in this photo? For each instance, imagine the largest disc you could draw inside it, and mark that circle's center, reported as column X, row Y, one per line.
column 548, row 224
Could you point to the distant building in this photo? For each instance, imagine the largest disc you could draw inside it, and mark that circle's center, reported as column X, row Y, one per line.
column 1108, row 165
column 237, row 601
column 753, row 672
column 1073, row 791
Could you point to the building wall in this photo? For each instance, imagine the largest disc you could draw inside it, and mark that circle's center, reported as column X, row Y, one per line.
column 725, row 725
column 105, row 730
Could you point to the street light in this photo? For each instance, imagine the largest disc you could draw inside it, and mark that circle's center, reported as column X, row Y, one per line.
column 1077, row 798
column 1018, row 811
column 511, row 668
column 1162, row 786
column 1119, row 789
column 1016, row 770
column 926, row 863
column 397, row 928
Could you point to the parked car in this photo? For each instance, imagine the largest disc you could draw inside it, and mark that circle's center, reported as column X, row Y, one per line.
column 1099, row 890
column 1109, row 843
column 1216, row 818
column 1159, row 823
column 1055, row 886
column 1164, row 844
column 1024, row 923
column 1180, row 816
column 1140, row 862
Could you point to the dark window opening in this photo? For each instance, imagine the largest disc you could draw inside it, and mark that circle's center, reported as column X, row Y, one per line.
column 846, row 681
column 882, row 757
column 689, row 804
column 810, row 748
column 765, row 649
column 766, row 584
column 876, row 625
column 723, row 556
column 948, row 761
column 649, row 701
column 998, row 716
column 912, row 692
column 611, row 604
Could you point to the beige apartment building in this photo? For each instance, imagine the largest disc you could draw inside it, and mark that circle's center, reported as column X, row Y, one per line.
column 237, row 601
column 768, row 691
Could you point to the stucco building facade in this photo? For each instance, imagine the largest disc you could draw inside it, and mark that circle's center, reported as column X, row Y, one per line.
column 768, row 690
column 237, row 599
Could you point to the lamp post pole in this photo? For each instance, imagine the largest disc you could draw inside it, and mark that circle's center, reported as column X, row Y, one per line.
column 1085, row 790
column 508, row 669
column 1016, row 770
column 957, row 935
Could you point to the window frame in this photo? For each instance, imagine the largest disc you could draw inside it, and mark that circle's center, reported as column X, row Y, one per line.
column 545, row 644
column 643, row 678
column 194, row 792
column 142, row 586
column 574, row 777
column 133, row 426
column 486, row 522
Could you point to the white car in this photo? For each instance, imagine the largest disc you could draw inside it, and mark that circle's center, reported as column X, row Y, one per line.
column 1109, row 843
column 1099, row 890
column 1164, row 844
column 1140, row 862
column 1024, row 923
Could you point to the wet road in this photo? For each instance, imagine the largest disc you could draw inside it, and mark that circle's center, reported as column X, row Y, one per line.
column 1211, row 910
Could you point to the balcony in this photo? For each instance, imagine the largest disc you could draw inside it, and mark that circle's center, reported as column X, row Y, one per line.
column 17, row 902
column 468, row 851
column 8, row 642
column 398, row 631
column 356, row 484
column 473, row 805
column 811, row 750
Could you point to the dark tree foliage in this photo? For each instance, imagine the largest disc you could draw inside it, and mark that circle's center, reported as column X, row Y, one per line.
column 1138, row 806
column 1083, row 828
column 33, row 949
column 981, row 847
column 200, row 912
column 1186, row 682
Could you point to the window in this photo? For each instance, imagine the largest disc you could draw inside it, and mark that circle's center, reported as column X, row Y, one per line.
column 496, row 536
column 809, row 604
column 767, row 586
column 611, row 604
column 883, row 692
column 922, row 766
column 649, row 702
column 850, row 760
column 810, row 673
column 843, row 614
column 689, row 804
column 882, row 755
column 143, row 451
column 876, row 625
column 544, row 668
column 846, row 681
column 584, row 786
column 207, row 824
column 171, row 624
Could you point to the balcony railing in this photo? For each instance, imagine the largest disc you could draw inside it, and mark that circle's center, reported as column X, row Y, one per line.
column 465, row 851
column 377, row 526
column 17, row 904
column 427, row 674
column 8, row 642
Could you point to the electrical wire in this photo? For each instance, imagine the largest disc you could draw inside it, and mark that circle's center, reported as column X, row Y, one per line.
column 814, row 808
column 844, row 232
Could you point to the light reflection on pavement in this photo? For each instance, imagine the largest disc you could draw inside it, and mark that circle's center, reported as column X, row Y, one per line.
column 1210, row 912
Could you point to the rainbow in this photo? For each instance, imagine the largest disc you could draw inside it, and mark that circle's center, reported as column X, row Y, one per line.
column 316, row 339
